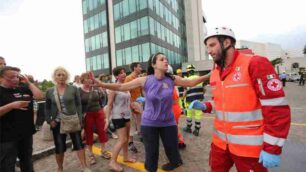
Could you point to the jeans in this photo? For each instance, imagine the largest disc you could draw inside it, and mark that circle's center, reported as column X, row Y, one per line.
column 169, row 138
column 8, row 155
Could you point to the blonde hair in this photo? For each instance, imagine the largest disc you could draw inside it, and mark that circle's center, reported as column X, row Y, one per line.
column 60, row 68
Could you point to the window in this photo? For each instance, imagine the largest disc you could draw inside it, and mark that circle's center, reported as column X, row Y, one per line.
column 99, row 62
column 94, row 62
column 143, row 4
column 127, row 32
column 132, row 4
column 133, row 26
column 87, row 64
column 119, row 57
column 153, row 48
column 116, row 12
column 95, row 4
column 92, row 23
column 85, row 26
column 151, row 4
column 104, row 39
column 105, row 61
column 93, row 42
column 84, row 7
column 151, row 26
column 86, row 45
column 146, row 51
column 144, row 26
column 118, row 34
column 90, row 5
column 96, row 18
column 125, row 8
column 97, row 41
column 103, row 18
column 161, row 10
column 102, row 2
column 101, row 40
column 158, row 29
column 135, row 54
column 128, row 55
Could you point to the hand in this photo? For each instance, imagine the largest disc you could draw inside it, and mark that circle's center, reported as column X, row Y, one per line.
column 196, row 104
column 269, row 160
column 140, row 100
column 22, row 105
column 53, row 124
column 106, row 124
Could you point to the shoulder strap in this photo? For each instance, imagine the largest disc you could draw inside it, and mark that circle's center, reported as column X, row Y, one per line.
column 57, row 101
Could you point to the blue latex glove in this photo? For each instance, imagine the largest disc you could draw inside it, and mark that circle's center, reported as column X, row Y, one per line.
column 140, row 100
column 196, row 104
column 269, row 160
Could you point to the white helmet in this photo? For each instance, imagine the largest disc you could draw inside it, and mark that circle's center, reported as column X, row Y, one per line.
column 170, row 70
column 219, row 31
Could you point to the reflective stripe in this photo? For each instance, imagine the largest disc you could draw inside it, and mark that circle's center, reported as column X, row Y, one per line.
column 240, row 116
column 274, row 102
column 194, row 94
column 247, row 126
column 236, row 85
column 274, row 140
column 241, row 139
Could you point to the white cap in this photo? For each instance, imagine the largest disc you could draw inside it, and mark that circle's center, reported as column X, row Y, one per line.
column 219, row 31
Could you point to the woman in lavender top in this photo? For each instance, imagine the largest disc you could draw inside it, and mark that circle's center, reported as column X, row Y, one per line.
column 158, row 119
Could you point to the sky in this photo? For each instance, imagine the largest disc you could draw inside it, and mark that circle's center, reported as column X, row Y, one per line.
column 39, row 35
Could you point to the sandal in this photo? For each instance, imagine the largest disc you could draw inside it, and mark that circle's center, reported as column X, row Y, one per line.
column 92, row 159
column 106, row 155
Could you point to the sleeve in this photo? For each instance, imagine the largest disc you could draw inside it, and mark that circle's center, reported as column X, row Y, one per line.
column 275, row 108
column 48, row 115
column 78, row 102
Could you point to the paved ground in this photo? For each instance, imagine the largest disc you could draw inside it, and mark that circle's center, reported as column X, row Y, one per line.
column 195, row 156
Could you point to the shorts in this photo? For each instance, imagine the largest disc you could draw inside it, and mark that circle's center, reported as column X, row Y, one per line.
column 120, row 123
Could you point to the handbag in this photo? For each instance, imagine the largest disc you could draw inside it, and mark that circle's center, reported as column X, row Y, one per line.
column 69, row 123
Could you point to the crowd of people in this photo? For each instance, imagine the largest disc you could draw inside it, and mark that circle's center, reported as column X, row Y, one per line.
column 252, row 116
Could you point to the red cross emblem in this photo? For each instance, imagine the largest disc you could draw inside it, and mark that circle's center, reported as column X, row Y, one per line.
column 274, row 85
column 237, row 76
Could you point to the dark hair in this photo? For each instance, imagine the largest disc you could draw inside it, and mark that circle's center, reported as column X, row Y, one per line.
column 152, row 60
column 117, row 70
column 6, row 68
column 2, row 58
column 133, row 65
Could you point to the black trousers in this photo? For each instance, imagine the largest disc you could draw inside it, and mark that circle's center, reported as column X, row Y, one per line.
column 169, row 139
column 24, row 153
column 8, row 155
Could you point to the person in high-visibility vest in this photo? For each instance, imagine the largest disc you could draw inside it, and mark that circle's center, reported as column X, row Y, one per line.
column 181, row 92
column 191, row 94
column 252, row 114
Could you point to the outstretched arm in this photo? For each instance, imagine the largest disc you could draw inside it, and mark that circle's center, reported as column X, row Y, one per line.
column 190, row 82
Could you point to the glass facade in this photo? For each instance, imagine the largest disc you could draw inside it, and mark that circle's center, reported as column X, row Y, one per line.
column 141, row 28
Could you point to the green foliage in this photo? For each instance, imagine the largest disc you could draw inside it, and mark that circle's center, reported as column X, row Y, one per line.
column 45, row 85
column 277, row 61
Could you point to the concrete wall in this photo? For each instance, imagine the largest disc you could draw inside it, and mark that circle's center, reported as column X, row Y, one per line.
column 195, row 30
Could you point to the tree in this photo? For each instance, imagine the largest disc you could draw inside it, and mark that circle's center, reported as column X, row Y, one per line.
column 304, row 52
column 277, row 61
column 45, row 85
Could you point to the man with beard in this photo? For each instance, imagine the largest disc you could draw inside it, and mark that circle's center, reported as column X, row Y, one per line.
column 252, row 114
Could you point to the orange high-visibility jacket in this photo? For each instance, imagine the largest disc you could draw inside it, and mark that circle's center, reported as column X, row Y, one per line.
column 239, row 121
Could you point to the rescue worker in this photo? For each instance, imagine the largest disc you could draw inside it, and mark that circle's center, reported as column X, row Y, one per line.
column 191, row 94
column 181, row 92
column 252, row 114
